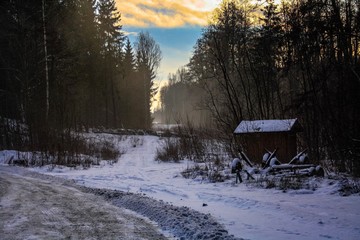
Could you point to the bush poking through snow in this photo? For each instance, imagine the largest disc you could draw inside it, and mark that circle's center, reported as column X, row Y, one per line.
column 349, row 186
column 69, row 150
column 203, row 148
column 206, row 173
column 136, row 141
column 169, row 151
column 109, row 152
column 286, row 183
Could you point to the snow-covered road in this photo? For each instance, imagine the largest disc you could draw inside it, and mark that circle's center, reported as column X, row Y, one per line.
column 244, row 210
column 32, row 208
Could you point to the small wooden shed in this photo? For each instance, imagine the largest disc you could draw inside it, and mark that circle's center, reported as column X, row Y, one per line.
column 256, row 136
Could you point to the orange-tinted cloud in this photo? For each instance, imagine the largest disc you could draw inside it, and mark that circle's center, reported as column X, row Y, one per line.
column 164, row 13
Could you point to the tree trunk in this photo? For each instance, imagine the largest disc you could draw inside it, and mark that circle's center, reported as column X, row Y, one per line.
column 46, row 63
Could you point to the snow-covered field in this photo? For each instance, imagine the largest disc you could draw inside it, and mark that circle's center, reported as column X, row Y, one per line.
column 245, row 211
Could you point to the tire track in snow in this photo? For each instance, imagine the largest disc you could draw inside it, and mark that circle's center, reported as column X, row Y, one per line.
column 182, row 222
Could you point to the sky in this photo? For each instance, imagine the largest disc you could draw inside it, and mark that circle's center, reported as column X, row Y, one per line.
column 174, row 24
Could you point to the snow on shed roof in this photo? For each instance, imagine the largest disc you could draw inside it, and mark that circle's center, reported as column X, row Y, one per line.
column 283, row 125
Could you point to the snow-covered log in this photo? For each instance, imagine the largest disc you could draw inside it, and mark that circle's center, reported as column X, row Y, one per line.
column 292, row 166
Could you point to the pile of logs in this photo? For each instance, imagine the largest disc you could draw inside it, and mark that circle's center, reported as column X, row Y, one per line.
column 298, row 165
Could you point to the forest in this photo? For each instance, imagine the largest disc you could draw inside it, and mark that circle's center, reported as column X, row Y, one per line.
column 66, row 65
column 297, row 59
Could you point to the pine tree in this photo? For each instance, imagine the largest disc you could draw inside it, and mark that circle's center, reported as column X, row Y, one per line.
column 128, row 87
column 77, row 63
column 148, row 57
column 111, row 40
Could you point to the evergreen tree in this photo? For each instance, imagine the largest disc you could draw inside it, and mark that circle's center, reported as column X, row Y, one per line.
column 80, row 54
column 22, row 64
column 129, row 88
column 148, row 57
column 129, row 59
column 111, row 40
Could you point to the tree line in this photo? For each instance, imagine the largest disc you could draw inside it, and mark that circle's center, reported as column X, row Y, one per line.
column 68, row 65
column 297, row 59
column 181, row 101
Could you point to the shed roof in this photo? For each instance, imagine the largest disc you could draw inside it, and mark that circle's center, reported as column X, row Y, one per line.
column 275, row 125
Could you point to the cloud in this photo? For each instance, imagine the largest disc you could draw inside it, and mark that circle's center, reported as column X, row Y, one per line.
column 127, row 33
column 165, row 13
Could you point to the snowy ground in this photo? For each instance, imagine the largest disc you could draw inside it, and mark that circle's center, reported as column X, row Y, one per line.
column 245, row 211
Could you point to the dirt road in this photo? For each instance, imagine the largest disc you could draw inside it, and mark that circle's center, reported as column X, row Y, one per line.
column 32, row 208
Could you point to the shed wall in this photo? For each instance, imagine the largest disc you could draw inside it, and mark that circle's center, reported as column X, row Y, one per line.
column 254, row 145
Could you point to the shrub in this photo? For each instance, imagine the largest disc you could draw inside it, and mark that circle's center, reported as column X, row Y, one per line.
column 200, row 146
column 169, row 151
column 286, row 183
column 109, row 152
column 205, row 173
column 136, row 141
column 72, row 149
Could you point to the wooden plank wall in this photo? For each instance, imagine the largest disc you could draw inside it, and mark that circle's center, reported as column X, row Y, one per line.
column 254, row 145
